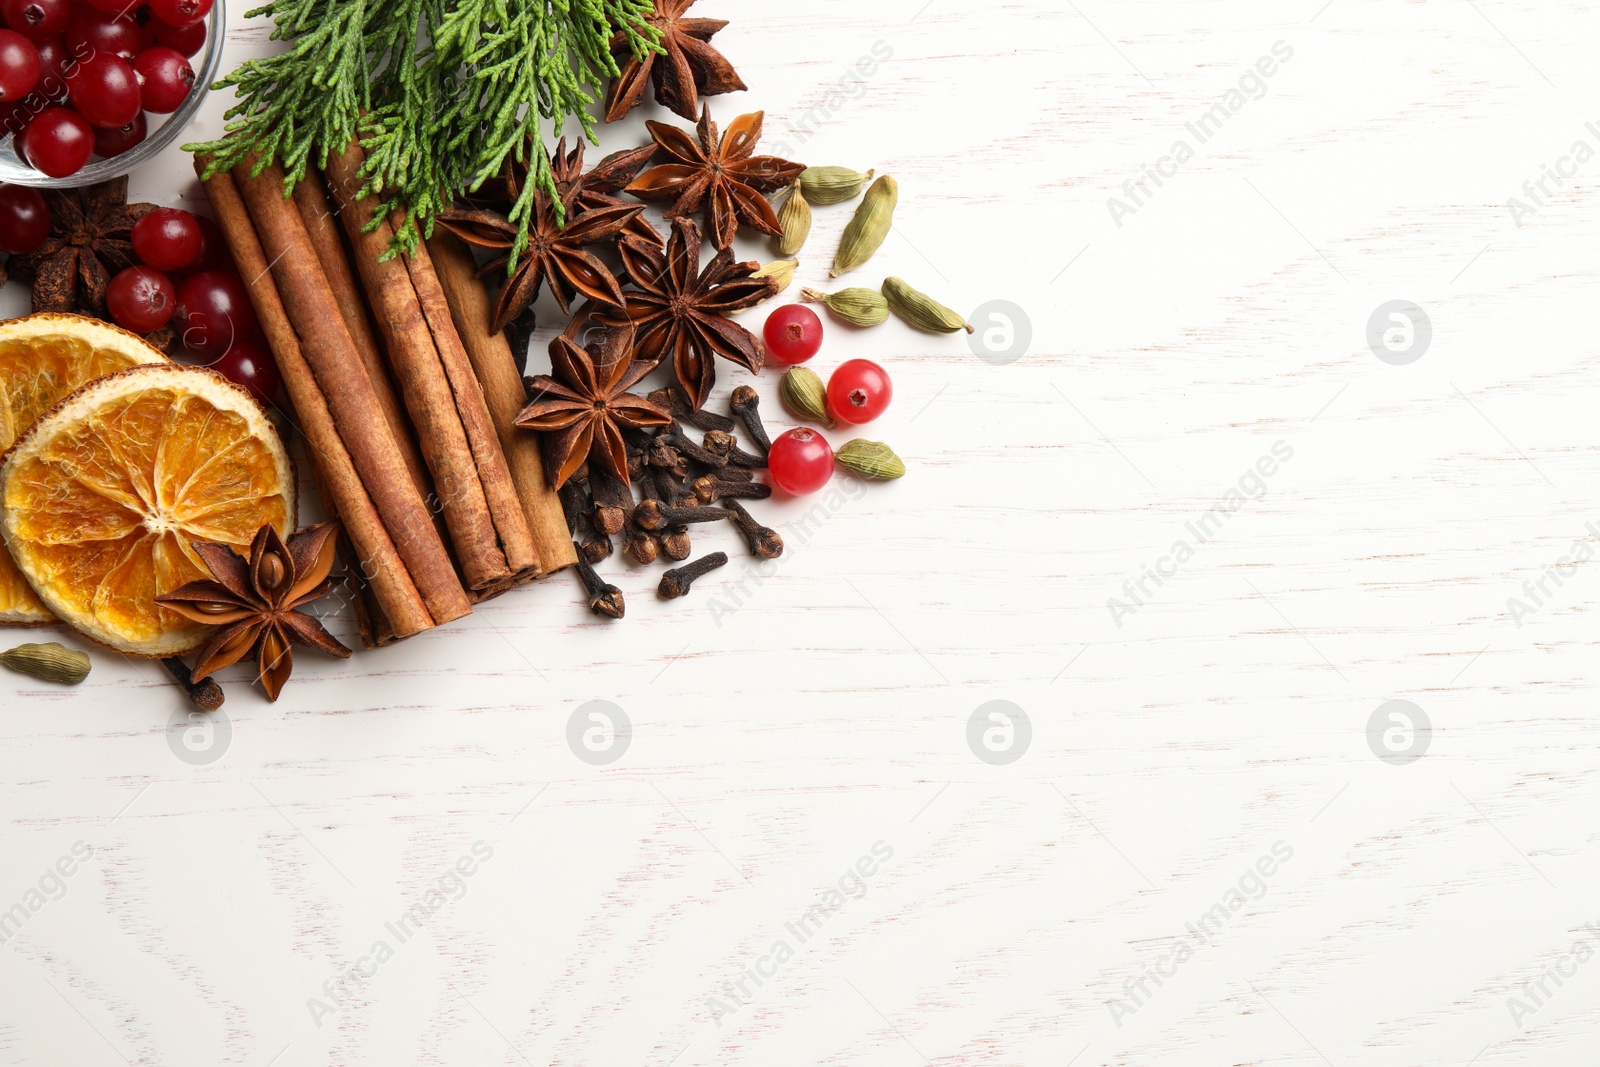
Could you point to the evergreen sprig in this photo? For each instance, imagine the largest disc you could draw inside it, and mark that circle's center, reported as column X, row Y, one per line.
column 440, row 92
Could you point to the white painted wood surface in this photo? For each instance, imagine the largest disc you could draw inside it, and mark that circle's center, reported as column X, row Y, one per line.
column 775, row 744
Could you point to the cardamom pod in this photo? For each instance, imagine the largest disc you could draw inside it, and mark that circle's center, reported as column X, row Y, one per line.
column 833, row 185
column 920, row 309
column 53, row 662
column 803, row 393
column 868, row 226
column 795, row 218
column 859, row 307
column 780, row 271
column 870, row 459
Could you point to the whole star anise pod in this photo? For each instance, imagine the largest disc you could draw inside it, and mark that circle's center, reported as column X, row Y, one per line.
column 680, row 311
column 257, row 602
column 553, row 252
column 721, row 178
column 581, row 408
column 90, row 241
column 686, row 68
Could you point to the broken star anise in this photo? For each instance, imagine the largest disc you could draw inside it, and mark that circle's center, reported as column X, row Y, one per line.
column 553, row 252
column 722, row 178
column 257, row 602
column 90, row 240
column 686, row 68
column 680, row 310
column 581, row 409
column 594, row 190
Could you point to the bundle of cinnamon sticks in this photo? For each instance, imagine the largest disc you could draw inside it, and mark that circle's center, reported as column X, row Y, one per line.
column 405, row 399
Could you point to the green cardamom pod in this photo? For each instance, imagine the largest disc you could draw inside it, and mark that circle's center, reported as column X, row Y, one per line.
column 53, row 662
column 859, row 307
column 870, row 459
column 795, row 218
column 833, row 185
column 920, row 309
column 780, row 271
column 803, row 393
column 868, row 226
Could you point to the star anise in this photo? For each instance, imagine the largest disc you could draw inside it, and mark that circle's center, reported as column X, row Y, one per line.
column 257, row 602
column 686, row 68
column 581, row 408
column 680, row 311
column 594, row 190
column 90, row 241
column 553, row 252
column 721, row 178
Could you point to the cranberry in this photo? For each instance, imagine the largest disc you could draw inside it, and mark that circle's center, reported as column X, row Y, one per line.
column 24, row 219
column 58, row 142
column 37, row 20
column 54, row 64
column 180, row 12
column 167, row 238
column 105, row 90
column 214, row 311
column 249, row 364
column 214, row 254
column 141, row 299
column 185, row 40
column 109, row 142
column 92, row 31
column 859, row 391
column 19, row 65
column 800, row 461
column 793, row 333
column 166, row 76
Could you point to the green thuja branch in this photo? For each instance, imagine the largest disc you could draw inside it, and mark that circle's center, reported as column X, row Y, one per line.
column 441, row 93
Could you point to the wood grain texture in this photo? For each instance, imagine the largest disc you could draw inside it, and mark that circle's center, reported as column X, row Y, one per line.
column 785, row 720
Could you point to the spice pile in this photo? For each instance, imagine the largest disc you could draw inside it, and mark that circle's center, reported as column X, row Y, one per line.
column 397, row 242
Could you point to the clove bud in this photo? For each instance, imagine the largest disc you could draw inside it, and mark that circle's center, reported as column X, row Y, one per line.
column 604, row 599
column 676, row 582
column 710, row 488
column 746, row 404
column 764, row 541
column 654, row 515
column 727, row 450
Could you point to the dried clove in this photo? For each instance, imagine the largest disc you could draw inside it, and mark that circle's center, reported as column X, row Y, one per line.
column 675, row 544
column 611, row 502
column 699, row 418
column 723, row 444
column 710, row 488
column 654, row 515
column 639, row 544
column 604, row 599
column 764, row 541
column 571, row 494
column 206, row 695
column 676, row 582
column 698, row 454
column 746, row 404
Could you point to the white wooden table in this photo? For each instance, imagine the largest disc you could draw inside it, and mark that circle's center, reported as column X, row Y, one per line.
column 1199, row 755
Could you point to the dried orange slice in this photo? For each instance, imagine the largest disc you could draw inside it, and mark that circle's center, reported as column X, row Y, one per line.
column 102, row 500
column 42, row 359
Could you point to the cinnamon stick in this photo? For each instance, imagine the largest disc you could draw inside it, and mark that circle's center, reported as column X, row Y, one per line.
column 496, row 368
column 376, row 558
column 310, row 197
column 464, row 469
column 351, row 400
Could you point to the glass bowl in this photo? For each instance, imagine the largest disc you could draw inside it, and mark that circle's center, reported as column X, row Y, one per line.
column 206, row 62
